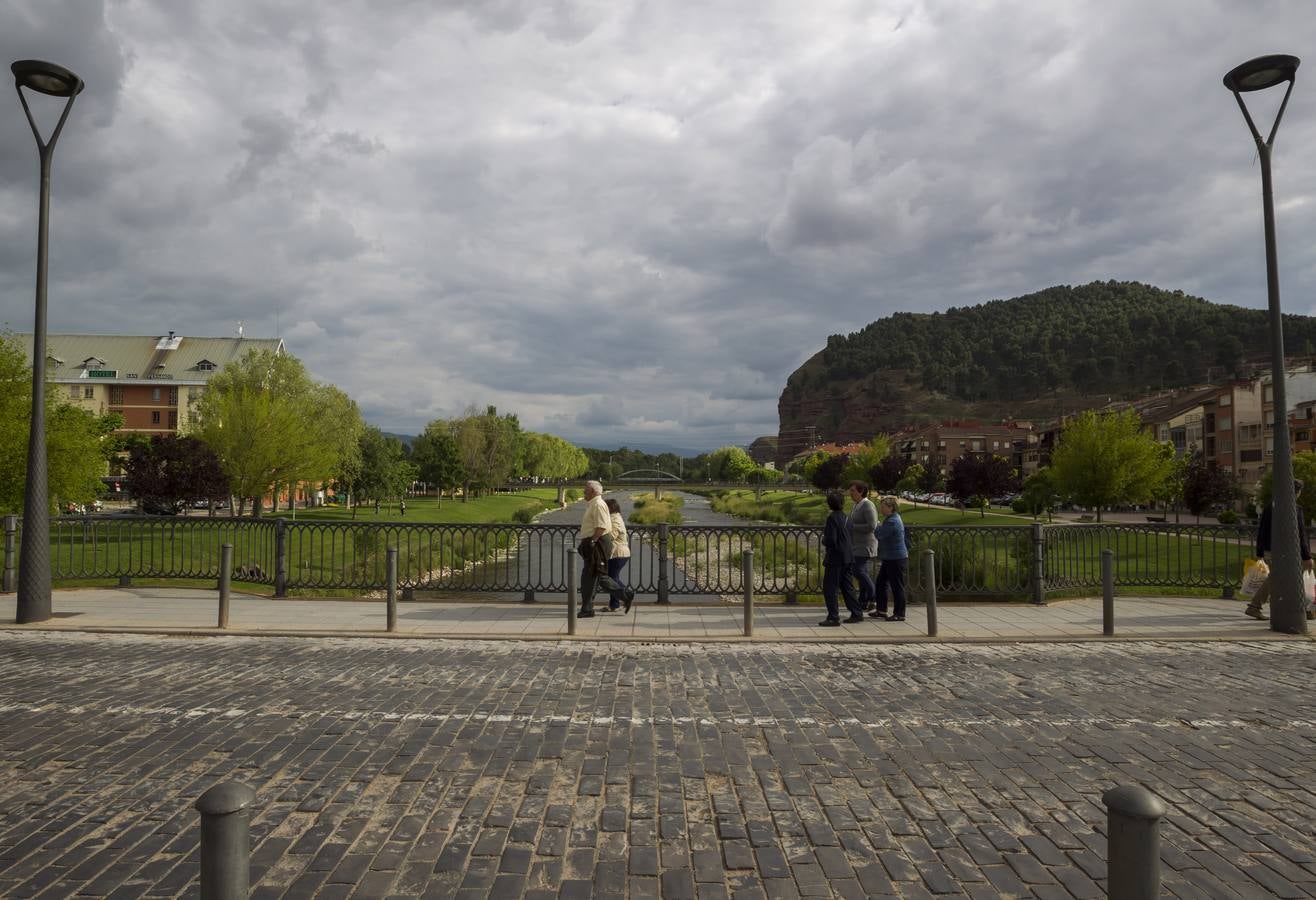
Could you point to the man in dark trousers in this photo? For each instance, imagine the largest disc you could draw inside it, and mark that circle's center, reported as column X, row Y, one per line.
column 1255, row 608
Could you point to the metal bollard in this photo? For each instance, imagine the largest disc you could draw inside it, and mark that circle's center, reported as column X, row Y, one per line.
column 1133, row 843
column 930, row 585
column 664, row 582
column 571, row 590
column 1039, row 564
column 392, row 588
column 281, row 558
column 225, row 841
column 1107, row 592
column 747, row 577
column 11, row 532
column 225, row 573
column 528, row 596
column 792, row 598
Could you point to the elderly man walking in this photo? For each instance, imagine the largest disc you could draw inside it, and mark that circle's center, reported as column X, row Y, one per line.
column 595, row 549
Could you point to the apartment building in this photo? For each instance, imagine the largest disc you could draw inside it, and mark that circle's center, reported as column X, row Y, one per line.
column 938, row 446
column 151, row 381
column 1239, row 422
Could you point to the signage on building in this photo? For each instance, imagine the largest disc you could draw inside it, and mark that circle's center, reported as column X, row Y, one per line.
column 102, row 373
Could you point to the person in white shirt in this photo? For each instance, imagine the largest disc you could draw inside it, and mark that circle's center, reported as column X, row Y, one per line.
column 621, row 555
column 595, row 548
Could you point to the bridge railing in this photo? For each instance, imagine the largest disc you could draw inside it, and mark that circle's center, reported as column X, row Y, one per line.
column 666, row 560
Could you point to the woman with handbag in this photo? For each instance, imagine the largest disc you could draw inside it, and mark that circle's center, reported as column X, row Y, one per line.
column 621, row 555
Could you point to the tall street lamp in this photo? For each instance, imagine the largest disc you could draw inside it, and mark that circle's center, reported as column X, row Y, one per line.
column 1287, row 606
column 34, row 554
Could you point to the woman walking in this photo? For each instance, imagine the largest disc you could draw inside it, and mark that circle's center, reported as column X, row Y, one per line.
column 894, row 554
column 863, row 522
column 621, row 555
column 838, row 558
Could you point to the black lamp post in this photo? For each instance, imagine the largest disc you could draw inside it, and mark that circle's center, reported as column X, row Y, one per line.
column 1287, row 606
column 34, row 554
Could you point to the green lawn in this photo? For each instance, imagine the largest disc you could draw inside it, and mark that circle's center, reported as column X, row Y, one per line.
column 492, row 508
column 794, row 508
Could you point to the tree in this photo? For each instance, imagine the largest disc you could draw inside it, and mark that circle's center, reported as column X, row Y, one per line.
column 169, row 472
column 931, row 480
column 1304, row 469
column 489, row 446
column 911, row 479
column 864, row 461
column 549, row 458
column 437, row 457
column 827, row 475
column 385, row 472
column 1040, row 493
column 1104, row 460
column 270, row 424
column 889, row 474
column 974, row 479
column 730, row 464
column 1204, row 485
column 78, row 442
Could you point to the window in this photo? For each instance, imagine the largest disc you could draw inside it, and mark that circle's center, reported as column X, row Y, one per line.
column 1267, row 395
column 155, row 417
column 1224, row 423
column 205, row 365
column 155, row 394
column 173, row 396
column 73, row 392
column 941, row 444
column 1224, row 400
column 173, row 419
column 116, row 395
column 1226, row 445
column 88, row 392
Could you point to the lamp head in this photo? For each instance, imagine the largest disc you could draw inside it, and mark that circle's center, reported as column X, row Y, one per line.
column 46, row 78
column 1261, row 73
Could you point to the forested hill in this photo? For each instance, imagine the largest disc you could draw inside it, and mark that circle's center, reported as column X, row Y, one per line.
column 1111, row 338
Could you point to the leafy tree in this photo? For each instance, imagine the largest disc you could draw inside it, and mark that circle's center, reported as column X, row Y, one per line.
column 270, row 424
column 763, row 475
column 1040, row 492
column 828, row 475
column 385, row 471
column 911, row 479
column 976, row 478
column 550, row 458
column 437, row 457
column 808, row 467
column 889, row 474
column 1205, row 485
column 1304, row 469
column 1104, row 460
column 730, row 464
column 931, row 480
column 864, row 461
column 489, row 445
column 78, row 443
column 169, row 472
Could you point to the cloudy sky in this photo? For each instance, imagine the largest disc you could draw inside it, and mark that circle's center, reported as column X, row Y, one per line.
column 630, row 221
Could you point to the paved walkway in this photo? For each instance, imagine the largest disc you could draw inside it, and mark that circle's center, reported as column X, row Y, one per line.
column 175, row 610
column 560, row 770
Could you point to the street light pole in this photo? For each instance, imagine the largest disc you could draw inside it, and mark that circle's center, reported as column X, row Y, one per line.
column 1287, row 605
column 34, row 553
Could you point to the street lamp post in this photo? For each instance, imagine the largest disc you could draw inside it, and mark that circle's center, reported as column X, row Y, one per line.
column 34, row 553
column 1287, row 606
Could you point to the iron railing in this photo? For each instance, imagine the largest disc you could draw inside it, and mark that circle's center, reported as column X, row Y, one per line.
column 666, row 560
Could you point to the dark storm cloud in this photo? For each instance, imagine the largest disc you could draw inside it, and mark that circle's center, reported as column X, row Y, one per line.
column 630, row 222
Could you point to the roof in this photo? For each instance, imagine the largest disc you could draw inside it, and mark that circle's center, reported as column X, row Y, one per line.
column 141, row 357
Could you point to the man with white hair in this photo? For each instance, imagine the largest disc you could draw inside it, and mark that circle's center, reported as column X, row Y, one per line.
column 595, row 548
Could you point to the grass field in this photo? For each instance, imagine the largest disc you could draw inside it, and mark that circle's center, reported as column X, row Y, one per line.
column 794, row 508
column 492, row 508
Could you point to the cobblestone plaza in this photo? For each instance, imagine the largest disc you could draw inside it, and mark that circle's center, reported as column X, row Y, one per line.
column 509, row 769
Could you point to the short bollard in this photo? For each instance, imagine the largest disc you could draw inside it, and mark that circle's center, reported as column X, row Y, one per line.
column 392, row 588
column 9, row 578
column 225, row 841
column 225, row 573
column 747, row 577
column 571, row 591
column 1133, row 843
column 930, row 585
column 1107, row 592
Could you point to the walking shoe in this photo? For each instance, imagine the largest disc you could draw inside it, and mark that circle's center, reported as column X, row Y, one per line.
column 830, row 623
column 585, row 614
column 629, row 598
column 877, row 615
column 1255, row 612
column 857, row 617
column 895, row 618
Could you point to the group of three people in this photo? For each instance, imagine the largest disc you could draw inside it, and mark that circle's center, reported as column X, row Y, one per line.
column 849, row 543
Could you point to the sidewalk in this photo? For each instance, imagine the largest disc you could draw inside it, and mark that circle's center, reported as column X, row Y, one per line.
column 188, row 611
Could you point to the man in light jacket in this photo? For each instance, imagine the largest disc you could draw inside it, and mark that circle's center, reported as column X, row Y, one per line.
column 863, row 523
column 595, row 546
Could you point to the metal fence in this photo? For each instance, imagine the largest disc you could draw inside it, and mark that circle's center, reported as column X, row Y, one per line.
column 666, row 560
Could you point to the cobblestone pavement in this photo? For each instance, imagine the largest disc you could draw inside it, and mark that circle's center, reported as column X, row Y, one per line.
column 415, row 768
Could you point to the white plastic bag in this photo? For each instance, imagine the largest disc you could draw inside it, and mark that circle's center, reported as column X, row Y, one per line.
column 1255, row 573
column 1309, row 587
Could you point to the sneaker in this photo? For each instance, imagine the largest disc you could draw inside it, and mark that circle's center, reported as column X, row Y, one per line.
column 858, row 617
column 1255, row 612
column 895, row 618
column 877, row 615
column 830, row 623
column 629, row 598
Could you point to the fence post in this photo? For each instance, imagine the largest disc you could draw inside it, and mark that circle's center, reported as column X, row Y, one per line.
column 225, row 841
column 1133, row 843
column 1039, row 564
column 281, row 558
column 225, row 572
column 664, row 586
column 1107, row 592
column 747, row 577
column 392, row 589
column 792, row 597
column 930, row 586
column 571, row 590
column 528, row 596
column 11, row 530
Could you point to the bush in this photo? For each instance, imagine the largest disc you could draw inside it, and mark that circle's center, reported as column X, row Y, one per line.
column 1227, row 517
column 572, row 495
column 1019, row 506
column 525, row 515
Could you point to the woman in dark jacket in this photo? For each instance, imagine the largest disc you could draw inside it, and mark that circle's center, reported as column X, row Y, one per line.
column 894, row 554
column 838, row 558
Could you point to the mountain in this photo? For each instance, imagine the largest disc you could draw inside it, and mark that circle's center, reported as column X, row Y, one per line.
column 1031, row 357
